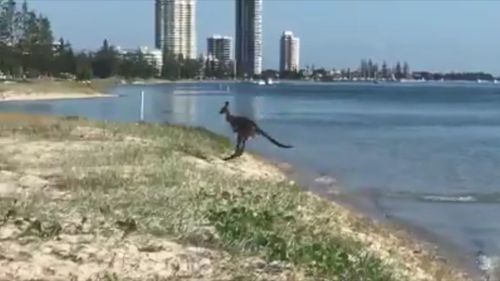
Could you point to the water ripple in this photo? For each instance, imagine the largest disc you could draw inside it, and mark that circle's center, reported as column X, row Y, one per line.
column 465, row 198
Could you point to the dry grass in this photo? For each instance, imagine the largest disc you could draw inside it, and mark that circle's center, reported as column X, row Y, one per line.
column 150, row 202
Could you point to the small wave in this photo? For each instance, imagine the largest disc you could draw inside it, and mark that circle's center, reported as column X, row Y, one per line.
column 465, row 198
column 441, row 198
column 325, row 180
column 489, row 265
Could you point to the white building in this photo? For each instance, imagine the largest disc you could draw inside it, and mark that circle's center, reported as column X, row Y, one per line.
column 289, row 52
column 153, row 56
column 220, row 48
column 248, row 37
column 175, row 27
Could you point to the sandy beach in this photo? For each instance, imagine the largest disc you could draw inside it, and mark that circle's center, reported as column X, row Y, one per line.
column 88, row 199
column 16, row 96
column 46, row 89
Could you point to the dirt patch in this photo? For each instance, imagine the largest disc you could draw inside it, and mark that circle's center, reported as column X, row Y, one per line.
column 87, row 256
column 91, row 258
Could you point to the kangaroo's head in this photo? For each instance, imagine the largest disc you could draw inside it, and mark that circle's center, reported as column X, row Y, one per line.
column 225, row 108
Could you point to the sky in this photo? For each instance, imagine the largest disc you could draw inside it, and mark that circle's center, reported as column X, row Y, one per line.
column 430, row 34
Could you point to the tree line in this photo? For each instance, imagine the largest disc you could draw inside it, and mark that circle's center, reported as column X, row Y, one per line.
column 28, row 50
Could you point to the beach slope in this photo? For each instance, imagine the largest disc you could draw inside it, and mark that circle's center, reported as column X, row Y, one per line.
column 84, row 200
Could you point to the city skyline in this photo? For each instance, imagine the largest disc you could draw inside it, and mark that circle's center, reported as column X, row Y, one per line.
column 455, row 36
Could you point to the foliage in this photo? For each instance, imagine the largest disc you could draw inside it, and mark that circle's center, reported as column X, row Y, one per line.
column 177, row 67
column 27, row 49
column 219, row 70
column 136, row 65
column 105, row 61
column 261, row 230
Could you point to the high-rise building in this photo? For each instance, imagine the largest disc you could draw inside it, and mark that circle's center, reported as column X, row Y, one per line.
column 289, row 52
column 219, row 48
column 248, row 37
column 159, row 24
column 175, row 30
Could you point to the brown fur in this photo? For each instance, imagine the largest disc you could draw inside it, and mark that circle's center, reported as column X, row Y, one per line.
column 244, row 129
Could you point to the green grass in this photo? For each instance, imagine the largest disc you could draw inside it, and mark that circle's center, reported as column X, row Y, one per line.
column 121, row 187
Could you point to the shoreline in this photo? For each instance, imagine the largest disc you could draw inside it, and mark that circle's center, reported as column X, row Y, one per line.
column 10, row 97
column 50, row 89
column 398, row 250
column 442, row 251
column 448, row 252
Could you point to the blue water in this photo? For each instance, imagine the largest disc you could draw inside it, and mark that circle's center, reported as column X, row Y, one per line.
column 428, row 154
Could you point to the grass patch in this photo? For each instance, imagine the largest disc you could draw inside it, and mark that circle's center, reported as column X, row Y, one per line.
column 276, row 230
column 133, row 182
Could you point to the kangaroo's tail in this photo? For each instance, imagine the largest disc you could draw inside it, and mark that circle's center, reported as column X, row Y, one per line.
column 277, row 143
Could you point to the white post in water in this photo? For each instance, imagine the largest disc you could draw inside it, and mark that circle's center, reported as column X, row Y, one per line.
column 142, row 105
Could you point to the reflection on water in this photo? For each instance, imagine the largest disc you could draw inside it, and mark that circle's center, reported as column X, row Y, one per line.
column 32, row 107
column 183, row 107
column 39, row 108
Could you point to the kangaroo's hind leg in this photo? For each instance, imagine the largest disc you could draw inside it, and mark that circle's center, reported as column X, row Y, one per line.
column 242, row 146
column 239, row 142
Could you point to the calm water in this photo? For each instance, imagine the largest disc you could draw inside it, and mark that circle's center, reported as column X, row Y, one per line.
column 428, row 154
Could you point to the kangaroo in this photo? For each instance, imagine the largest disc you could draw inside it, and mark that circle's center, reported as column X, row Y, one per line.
column 245, row 129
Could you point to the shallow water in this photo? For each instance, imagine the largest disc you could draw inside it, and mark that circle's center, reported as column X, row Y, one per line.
column 426, row 154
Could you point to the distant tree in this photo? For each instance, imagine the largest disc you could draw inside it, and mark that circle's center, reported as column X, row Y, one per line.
column 8, row 22
column 83, row 67
column 65, row 61
column 171, row 67
column 136, row 65
column 274, row 74
column 385, row 70
column 292, row 75
column 105, row 63
column 406, row 70
column 27, row 49
column 348, row 73
column 23, row 22
column 398, row 73
column 210, row 68
column 370, row 72
column 190, row 68
column 364, row 69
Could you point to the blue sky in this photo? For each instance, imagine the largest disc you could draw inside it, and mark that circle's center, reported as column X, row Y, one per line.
column 432, row 35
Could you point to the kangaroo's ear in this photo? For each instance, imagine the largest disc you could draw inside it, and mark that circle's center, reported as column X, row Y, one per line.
column 226, row 103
